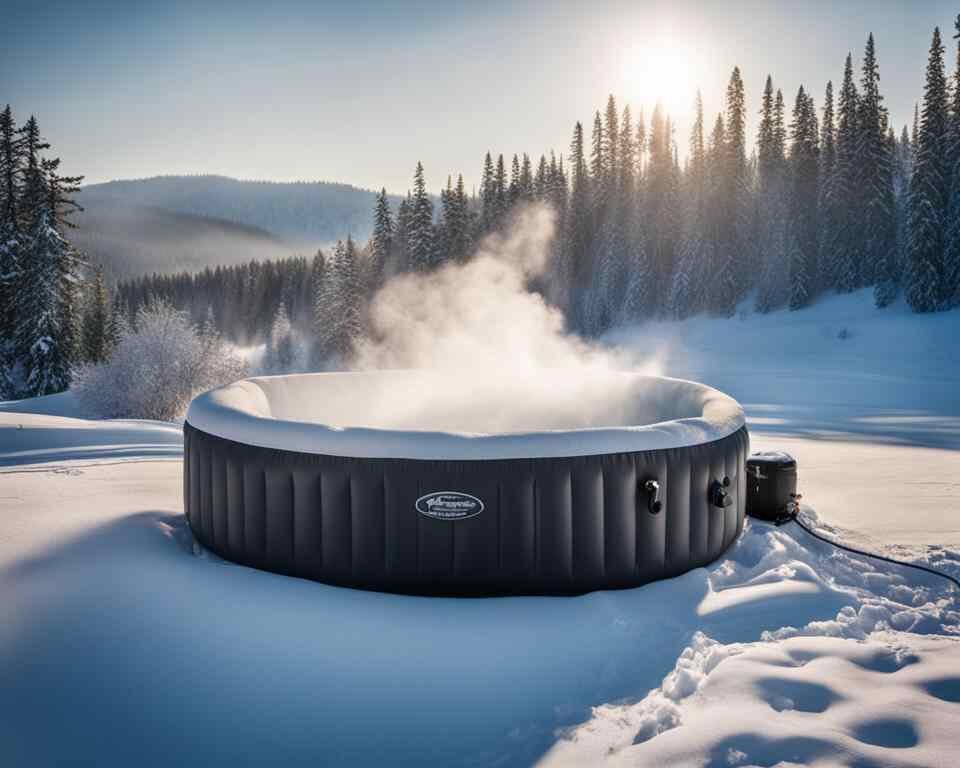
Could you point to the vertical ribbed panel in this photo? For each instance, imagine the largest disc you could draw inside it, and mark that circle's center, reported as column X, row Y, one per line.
column 336, row 537
column 218, row 496
column 187, row 438
column 731, row 462
column 367, row 526
column 589, row 522
column 677, row 512
column 399, row 497
column 206, row 494
column 620, row 519
column 434, row 541
column 279, row 518
column 235, row 518
column 699, row 505
column 549, row 525
column 254, row 513
column 715, row 514
column 307, row 521
column 554, row 533
column 192, row 459
column 517, row 535
column 475, row 539
column 651, row 529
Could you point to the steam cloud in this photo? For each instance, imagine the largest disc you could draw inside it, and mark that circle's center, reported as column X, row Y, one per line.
column 500, row 356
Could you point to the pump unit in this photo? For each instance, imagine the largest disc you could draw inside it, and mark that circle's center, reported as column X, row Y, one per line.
column 771, row 485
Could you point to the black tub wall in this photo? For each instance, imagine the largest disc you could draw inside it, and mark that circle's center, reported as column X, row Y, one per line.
column 550, row 525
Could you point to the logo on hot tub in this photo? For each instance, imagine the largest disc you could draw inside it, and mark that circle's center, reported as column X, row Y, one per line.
column 449, row 505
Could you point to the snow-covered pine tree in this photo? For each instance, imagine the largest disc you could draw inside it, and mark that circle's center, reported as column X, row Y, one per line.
column 660, row 201
column 826, row 200
column 381, row 242
column 687, row 286
column 320, row 276
column 61, row 205
column 577, row 233
column 338, row 308
column 876, row 216
column 282, row 350
column 541, row 184
column 772, row 282
column 46, row 305
column 928, row 191
column 420, row 225
column 10, row 238
column 441, row 230
column 804, row 172
column 951, row 255
column 721, row 281
column 602, row 300
column 45, row 363
column 97, row 334
column 457, row 222
column 401, row 228
column 349, row 276
column 488, row 197
column 641, row 145
column 846, row 250
column 501, row 200
column 526, row 179
column 741, row 243
column 513, row 190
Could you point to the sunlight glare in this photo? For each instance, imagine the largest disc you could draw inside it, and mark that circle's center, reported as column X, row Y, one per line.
column 661, row 71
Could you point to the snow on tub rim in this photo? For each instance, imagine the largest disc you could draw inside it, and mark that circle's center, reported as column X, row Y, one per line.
column 580, row 482
column 441, row 415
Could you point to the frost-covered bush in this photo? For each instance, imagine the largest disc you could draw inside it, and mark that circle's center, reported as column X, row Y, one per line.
column 160, row 362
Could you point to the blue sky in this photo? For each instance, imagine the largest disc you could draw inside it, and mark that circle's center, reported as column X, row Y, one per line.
column 359, row 91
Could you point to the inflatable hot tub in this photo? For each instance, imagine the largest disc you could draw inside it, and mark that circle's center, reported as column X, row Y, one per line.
column 429, row 482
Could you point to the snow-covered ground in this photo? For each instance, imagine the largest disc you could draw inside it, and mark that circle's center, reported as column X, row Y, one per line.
column 123, row 644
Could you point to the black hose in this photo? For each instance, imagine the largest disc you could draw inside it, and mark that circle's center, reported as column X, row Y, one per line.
column 875, row 556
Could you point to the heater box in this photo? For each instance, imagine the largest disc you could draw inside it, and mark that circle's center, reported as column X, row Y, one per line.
column 771, row 484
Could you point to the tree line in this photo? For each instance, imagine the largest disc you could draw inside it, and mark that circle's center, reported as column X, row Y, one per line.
column 828, row 198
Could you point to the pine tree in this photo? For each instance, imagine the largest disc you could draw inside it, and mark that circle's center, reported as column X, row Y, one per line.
column 401, row 242
column 772, row 283
column 804, row 171
column 281, row 346
column 337, row 306
column 45, row 363
column 741, row 240
column 876, row 216
column 97, row 335
column 526, row 179
column 513, row 191
column 661, row 212
column 488, row 197
column 501, row 193
column 10, row 240
column 951, row 256
column 47, row 306
column 575, row 267
column 845, row 252
column 541, row 181
column 420, row 225
column 928, row 191
column 688, row 287
column 827, row 202
column 381, row 243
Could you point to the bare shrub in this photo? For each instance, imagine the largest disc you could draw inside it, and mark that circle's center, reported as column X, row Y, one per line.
column 160, row 363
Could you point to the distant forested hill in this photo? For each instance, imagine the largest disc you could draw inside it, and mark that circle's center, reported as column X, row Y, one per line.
column 135, row 240
column 304, row 214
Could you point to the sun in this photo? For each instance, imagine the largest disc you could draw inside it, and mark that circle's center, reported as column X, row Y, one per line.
column 660, row 71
